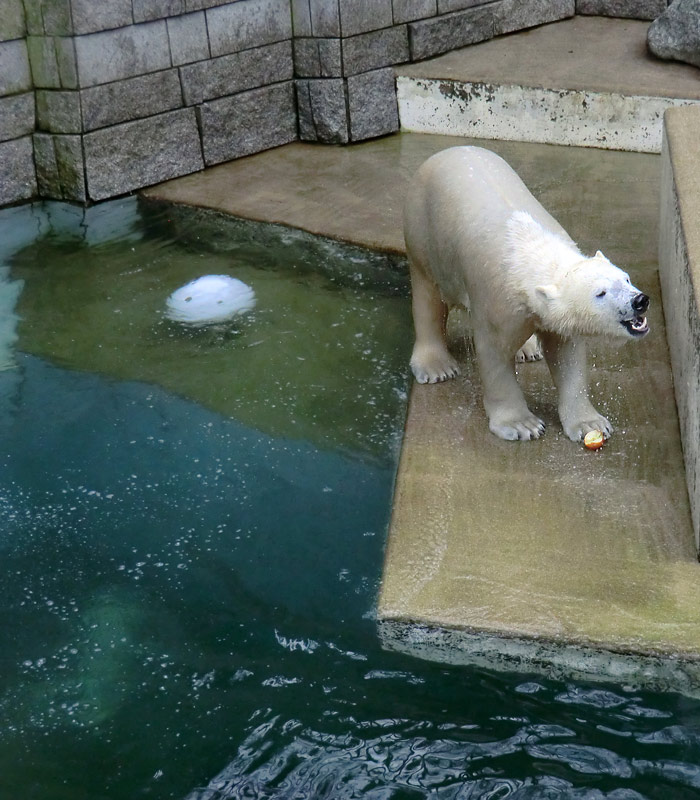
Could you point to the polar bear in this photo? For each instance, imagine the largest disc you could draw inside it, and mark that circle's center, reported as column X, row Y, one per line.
column 476, row 237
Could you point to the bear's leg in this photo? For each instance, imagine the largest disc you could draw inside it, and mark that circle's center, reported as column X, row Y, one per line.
column 431, row 362
column 509, row 416
column 566, row 359
column 530, row 351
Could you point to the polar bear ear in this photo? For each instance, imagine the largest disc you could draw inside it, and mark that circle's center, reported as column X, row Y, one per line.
column 598, row 254
column 547, row 293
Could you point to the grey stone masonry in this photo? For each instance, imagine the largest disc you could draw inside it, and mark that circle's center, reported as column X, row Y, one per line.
column 447, row 6
column 141, row 153
column 122, row 53
column 238, row 72
column 134, row 98
column 301, row 18
column 381, row 48
column 17, row 107
column 515, row 15
column 323, row 111
column 362, row 16
column 325, row 17
column 188, row 37
column 372, row 104
column 42, row 56
column 248, row 23
column 410, row 10
column 17, row 176
column 58, row 111
column 60, row 169
column 17, row 118
column 111, row 95
column 15, row 75
column 635, row 9
column 90, row 16
column 248, row 123
column 13, row 25
column 318, row 58
column 53, row 18
column 198, row 5
column 438, row 35
column 149, row 10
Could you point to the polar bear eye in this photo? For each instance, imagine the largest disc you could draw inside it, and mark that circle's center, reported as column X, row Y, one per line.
column 601, row 293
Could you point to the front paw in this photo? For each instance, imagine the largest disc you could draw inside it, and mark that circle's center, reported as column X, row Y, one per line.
column 576, row 429
column 432, row 365
column 512, row 427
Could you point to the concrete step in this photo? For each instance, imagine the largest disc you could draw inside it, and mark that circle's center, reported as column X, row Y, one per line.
column 584, row 81
column 538, row 556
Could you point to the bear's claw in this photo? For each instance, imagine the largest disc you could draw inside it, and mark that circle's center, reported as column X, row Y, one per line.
column 530, row 351
column 577, row 430
column 530, row 427
column 435, row 368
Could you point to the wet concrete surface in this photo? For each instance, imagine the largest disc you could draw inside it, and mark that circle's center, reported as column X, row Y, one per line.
column 541, row 540
column 595, row 54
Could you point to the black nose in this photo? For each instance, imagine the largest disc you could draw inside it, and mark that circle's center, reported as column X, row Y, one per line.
column 640, row 303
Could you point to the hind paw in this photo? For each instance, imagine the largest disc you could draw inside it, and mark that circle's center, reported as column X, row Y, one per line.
column 530, row 351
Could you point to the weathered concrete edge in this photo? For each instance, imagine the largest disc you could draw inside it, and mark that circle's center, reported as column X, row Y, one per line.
column 507, row 112
column 542, row 657
column 679, row 274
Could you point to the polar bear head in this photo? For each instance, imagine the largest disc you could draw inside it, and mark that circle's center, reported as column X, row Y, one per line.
column 593, row 297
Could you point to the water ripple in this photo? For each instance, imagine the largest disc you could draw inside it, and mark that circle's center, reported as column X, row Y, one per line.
column 392, row 765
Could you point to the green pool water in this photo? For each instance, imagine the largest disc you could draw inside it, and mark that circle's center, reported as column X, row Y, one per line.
column 192, row 526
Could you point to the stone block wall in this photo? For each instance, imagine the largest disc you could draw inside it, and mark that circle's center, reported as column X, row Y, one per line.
column 633, row 9
column 344, row 51
column 102, row 97
column 17, row 116
column 134, row 92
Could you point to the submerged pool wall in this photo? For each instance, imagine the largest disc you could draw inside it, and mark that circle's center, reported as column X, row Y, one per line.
column 98, row 99
column 679, row 273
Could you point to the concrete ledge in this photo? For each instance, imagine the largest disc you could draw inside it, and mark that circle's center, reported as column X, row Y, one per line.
column 679, row 272
column 555, row 660
column 528, row 114
column 586, row 81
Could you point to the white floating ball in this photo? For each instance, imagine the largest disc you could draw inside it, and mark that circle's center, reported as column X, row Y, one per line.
column 210, row 299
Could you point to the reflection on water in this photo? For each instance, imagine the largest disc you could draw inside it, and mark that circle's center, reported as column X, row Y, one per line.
column 192, row 529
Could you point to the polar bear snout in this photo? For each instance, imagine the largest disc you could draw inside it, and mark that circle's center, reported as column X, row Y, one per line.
column 637, row 325
column 640, row 303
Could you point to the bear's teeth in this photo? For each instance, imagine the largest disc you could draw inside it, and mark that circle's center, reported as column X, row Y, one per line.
column 639, row 323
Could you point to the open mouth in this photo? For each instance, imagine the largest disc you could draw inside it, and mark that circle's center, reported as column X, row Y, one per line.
column 637, row 326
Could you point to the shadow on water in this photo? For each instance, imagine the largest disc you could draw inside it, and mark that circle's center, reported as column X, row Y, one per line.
column 192, row 533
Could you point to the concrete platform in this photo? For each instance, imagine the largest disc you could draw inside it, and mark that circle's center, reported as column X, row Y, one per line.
column 586, row 81
column 537, row 556
column 679, row 270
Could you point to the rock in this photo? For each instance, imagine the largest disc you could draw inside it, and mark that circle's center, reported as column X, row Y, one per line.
column 676, row 33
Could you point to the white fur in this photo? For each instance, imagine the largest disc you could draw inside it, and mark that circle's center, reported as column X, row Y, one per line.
column 560, row 284
column 475, row 236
